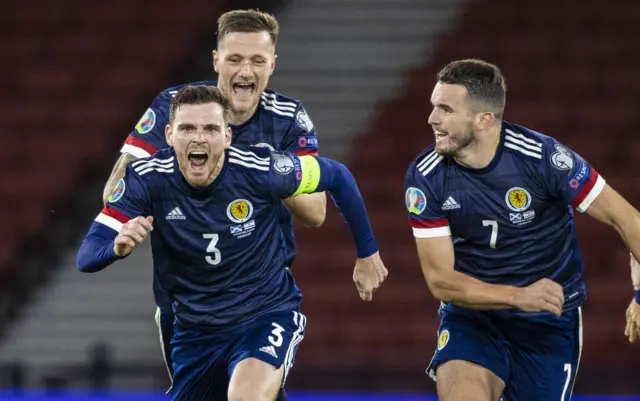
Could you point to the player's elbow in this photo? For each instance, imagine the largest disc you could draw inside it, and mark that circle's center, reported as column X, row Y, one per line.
column 83, row 265
column 439, row 287
column 85, row 260
column 316, row 218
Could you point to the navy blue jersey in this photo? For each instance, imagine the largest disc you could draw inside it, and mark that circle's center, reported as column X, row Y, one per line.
column 217, row 251
column 511, row 222
column 280, row 123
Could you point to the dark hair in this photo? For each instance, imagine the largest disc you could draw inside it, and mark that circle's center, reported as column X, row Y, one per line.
column 200, row 94
column 248, row 21
column 484, row 82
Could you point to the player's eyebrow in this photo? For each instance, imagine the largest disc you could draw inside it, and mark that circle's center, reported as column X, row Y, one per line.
column 212, row 126
column 215, row 127
column 442, row 106
column 186, row 125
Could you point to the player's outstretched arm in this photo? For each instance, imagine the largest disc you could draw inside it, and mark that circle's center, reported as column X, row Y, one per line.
column 310, row 209
column 318, row 174
column 447, row 285
column 611, row 208
column 116, row 174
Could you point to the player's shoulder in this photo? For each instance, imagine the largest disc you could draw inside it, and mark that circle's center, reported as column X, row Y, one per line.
column 171, row 91
column 279, row 105
column 249, row 159
column 427, row 165
column 526, row 143
column 152, row 169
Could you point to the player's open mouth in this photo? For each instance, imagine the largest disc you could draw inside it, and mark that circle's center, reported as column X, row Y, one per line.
column 440, row 134
column 198, row 159
column 244, row 89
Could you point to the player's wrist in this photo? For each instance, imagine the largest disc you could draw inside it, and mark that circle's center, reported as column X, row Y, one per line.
column 511, row 296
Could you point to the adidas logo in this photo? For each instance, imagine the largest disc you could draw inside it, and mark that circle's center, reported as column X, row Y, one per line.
column 176, row 214
column 269, row 349
column 450, row 204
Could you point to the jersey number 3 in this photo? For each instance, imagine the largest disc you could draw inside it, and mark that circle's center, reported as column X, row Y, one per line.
column 494, row 231
column 216, row 258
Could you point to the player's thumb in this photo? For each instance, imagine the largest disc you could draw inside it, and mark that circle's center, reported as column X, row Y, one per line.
column 150, row 219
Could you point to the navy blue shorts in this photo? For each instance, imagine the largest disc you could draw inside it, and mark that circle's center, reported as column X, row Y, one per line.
column 164, row 320
column 203, row 362
column 536, row 356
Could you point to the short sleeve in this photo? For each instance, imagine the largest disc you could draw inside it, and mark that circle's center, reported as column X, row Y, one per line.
column 148, row 136
column 570, row 177
column 301, row 137
column 424, row 206
column 128, row 200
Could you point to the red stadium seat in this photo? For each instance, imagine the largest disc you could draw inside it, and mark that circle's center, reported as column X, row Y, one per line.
column 79, row 71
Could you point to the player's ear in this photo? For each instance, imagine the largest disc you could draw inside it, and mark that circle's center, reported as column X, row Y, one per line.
column 273, row 64
column 216, row 60
column 227, row 137
column 485, row 120
column 168, row 134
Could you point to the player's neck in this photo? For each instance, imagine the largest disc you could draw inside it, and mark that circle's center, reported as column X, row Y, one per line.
column 481, row 152
column 236, row 118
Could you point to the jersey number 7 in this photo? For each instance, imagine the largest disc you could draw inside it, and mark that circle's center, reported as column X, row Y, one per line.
column 211, row 248
column 494, row 231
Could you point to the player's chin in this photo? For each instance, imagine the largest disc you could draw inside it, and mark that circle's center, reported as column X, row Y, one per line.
column 444, row 148
column 242, row 104
column 197, row 175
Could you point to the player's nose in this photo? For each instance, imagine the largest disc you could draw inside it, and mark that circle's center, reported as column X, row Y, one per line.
column 433, row 118
column 245, row 70
column 199, row 136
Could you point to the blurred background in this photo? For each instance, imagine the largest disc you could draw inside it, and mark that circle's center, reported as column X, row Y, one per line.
column 79, row 74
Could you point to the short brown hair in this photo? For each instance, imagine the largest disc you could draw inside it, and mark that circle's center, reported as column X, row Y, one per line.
column 199, row 94
column 483, row 81
column 248, row 21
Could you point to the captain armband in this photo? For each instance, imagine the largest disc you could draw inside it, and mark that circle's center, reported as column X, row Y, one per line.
column 309, row 175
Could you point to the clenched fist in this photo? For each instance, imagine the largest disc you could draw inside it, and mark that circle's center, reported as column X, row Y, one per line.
column 368, row 274
column 632, row 329
column 132, row 234
column 543, row 295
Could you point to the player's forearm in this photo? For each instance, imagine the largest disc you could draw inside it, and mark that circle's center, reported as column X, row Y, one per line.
column 117, row 173
column 310, row 209
column 466, row 291
column 629, row 231
column 337, row 179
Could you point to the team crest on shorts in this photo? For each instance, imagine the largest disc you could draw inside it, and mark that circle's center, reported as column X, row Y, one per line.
column 240, row 210
column 443, row 339
column 415, row 200
column 147, row 122
column 117, row 192
column 518, row 199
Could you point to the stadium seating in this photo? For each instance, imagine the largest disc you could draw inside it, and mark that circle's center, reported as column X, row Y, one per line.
column 570, row 75
column 77, row 70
